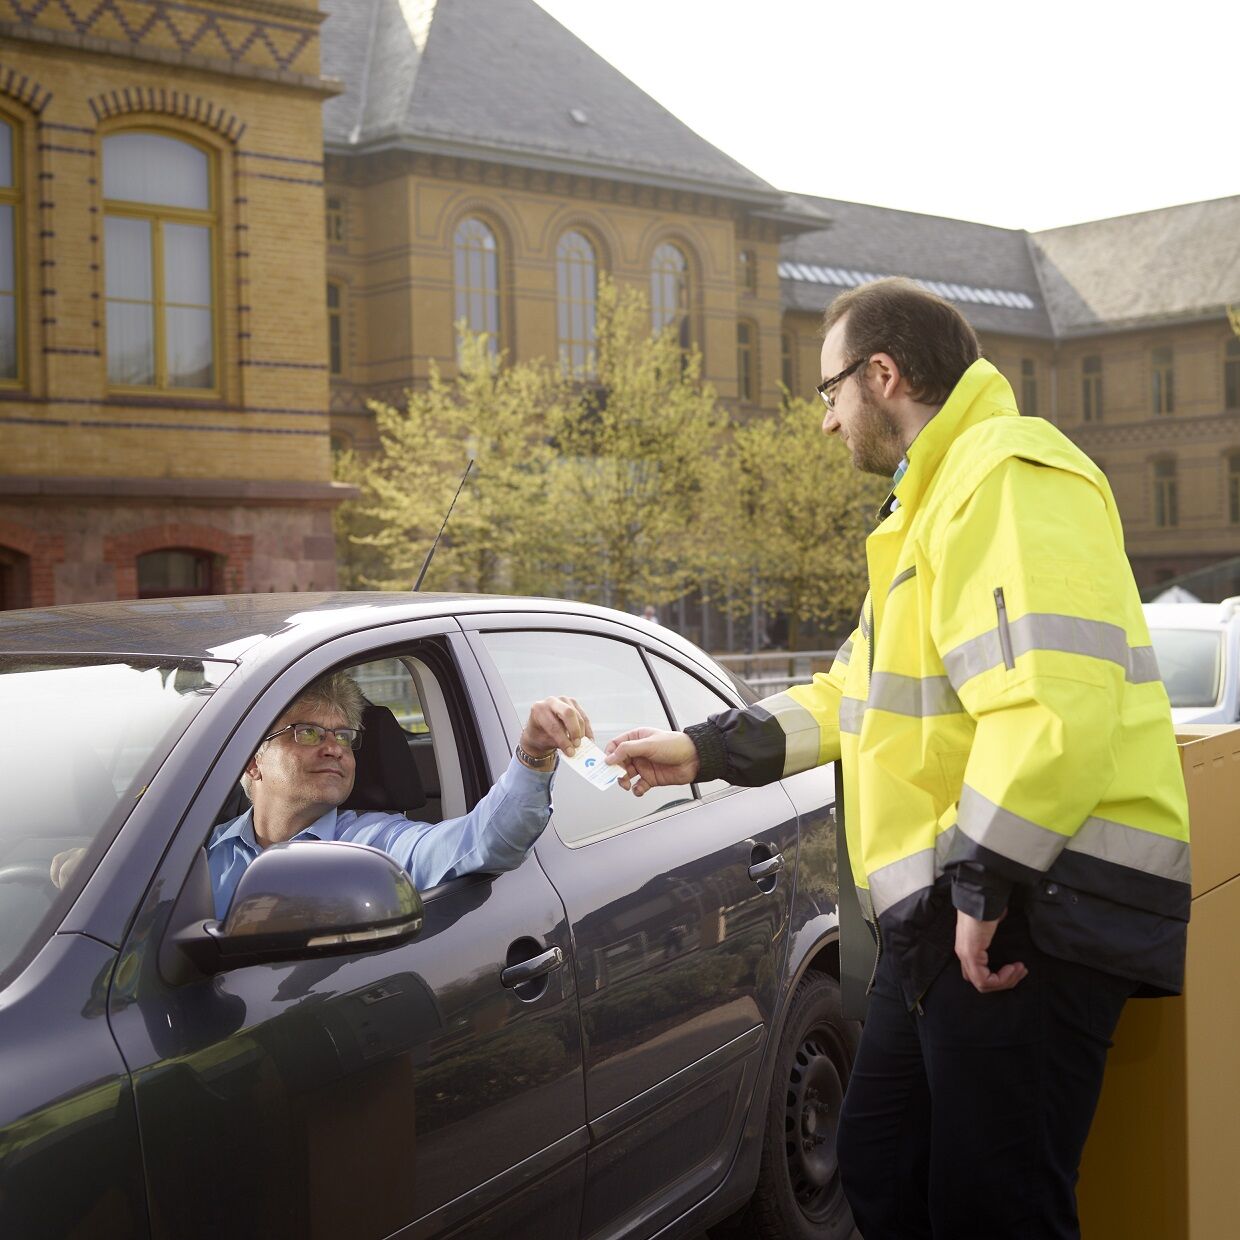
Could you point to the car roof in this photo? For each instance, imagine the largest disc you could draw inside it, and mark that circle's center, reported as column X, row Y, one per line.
column 250, row 627
column 1190, row 615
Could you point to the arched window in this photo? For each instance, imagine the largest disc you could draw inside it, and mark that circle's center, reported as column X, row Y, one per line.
column 787, row 362
column 576, row 293
column 175, row 573
column 669, row 291
column 476, row 266
column 1231, row 374
column 1091, row 388
column 14, row 579
column 1162, row 379
column 335, row 328
column 10, row 235
column 159, row 262
column 1166, row 494
column 746, row 370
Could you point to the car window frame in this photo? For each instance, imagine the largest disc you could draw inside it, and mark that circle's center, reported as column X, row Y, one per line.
column 715, row 793
column 151, row 858
column 477, row 625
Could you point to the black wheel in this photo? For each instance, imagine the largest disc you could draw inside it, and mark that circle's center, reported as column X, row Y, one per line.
column 799, row 1194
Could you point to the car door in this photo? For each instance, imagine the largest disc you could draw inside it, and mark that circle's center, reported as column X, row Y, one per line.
column 677, row 948
column 395, row 1091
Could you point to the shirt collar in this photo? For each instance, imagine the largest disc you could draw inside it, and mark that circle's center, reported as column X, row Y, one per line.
column 322, row 828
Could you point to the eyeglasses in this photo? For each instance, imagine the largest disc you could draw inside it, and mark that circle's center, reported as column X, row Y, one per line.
column 824, row 389
column 316, row 734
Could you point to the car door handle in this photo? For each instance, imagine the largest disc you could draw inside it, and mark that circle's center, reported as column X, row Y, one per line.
column 766, row 869
column 528, row 970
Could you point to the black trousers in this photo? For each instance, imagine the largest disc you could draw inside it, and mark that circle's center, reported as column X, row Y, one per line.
column 966, row 1120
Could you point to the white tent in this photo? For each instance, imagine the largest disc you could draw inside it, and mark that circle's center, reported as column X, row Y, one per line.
column 1176, row 594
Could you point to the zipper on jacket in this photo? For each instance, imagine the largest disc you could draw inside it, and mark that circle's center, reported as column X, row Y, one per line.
column 1005, row 636
column 870, row 647
column 878, row 955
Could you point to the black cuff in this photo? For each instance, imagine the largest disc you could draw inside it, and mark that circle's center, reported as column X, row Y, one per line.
column 979, row 892
column 712, row 751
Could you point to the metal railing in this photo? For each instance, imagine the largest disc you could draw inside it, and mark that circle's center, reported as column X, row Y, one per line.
column 773, row 671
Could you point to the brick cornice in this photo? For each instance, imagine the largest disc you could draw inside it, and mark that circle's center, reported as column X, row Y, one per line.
column 202, row 490
column 167, row 58
column 1152, row 431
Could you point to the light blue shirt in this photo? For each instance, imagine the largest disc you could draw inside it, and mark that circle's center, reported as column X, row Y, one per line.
column 495, row 835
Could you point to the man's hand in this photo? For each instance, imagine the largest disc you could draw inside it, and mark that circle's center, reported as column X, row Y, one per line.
column 652, row 759
column 972, row 945
column 63, row 865
column 555, row 723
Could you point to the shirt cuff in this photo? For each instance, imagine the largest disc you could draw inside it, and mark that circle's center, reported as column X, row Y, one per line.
column 712, row 751
column 527, row 785
column 978, row 892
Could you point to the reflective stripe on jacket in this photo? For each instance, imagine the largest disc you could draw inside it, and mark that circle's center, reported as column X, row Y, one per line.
column 998, row 708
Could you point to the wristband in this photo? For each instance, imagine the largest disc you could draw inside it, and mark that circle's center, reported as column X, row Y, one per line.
column 545, row 763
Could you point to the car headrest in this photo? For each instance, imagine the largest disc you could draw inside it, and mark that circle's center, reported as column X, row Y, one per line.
column 387, row 775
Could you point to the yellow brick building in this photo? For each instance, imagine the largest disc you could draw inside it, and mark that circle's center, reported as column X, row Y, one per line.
column 483, row 164
column 163, row 386
column 226, row 226
column 1117, row 330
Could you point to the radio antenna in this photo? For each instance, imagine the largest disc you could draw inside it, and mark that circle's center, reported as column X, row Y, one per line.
column 417, row 585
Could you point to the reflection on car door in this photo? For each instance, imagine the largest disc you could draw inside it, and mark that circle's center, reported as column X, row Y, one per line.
column 360, row 1094
column 678, row 950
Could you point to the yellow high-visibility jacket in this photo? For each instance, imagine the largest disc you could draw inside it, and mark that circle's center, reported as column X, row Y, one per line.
column 998, row 709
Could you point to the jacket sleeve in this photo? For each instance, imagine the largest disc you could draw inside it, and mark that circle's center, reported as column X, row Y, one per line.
column 1029, row 572
column 779, row 736
column 493, row 837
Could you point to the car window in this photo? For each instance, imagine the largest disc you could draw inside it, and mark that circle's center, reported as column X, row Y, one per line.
column 691, row 702
column 614, row 688
column 93, row 732
column 387, row 682
column 1190, row 662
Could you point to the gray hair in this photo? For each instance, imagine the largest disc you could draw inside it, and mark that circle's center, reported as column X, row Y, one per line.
column 337, row 692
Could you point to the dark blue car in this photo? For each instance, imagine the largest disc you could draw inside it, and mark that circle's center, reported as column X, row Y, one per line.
column 637, row 1032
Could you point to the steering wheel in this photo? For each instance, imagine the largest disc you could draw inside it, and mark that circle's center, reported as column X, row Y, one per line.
column 29, row 874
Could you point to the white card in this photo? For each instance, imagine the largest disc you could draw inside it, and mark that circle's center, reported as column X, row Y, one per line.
column 590, row 763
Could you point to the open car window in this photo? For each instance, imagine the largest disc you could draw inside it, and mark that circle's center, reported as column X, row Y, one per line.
column 691, row 701
column 408, row 761
column 610, row 681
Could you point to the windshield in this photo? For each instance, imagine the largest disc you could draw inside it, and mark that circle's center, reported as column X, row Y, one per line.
column 1190, row 662
column 86, row 734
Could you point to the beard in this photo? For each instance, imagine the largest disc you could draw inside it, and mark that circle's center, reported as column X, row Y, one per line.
column 873, row 438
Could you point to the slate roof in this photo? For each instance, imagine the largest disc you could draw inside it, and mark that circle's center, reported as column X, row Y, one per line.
column 1176, row 263
column 986, row 271
column 502, row 79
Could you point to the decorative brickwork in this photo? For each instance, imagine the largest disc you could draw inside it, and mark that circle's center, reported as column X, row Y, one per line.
column 157, row 99
column 45, row 552
column 24, row 89
column 232, row 576
column 156, row 25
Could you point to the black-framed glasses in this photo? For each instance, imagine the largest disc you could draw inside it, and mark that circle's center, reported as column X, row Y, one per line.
column 826, row 389
column 316, row 734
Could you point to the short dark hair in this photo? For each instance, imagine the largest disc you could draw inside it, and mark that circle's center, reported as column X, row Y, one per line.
column 930, row 340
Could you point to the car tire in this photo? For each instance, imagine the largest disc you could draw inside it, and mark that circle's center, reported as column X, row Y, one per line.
column 799, row 1194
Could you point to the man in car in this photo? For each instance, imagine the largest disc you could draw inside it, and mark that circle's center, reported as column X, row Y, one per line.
column 304, row 769
column 1016, row 816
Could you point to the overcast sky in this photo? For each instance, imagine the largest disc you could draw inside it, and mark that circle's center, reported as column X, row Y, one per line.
column 1022, row 115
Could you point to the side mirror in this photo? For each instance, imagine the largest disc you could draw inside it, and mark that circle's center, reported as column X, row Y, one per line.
column 308, row 899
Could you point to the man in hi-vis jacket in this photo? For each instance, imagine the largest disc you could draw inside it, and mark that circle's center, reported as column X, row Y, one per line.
column 1016, row 817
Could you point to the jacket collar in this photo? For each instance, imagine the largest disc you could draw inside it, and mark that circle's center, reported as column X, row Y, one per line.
column 981, row 393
